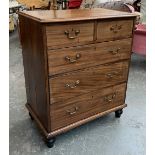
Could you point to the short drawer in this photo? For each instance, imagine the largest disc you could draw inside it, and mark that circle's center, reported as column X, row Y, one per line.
column 83, row 81
column 86, row 105
column 115, row 29
column 65, row 35
column 69, row 59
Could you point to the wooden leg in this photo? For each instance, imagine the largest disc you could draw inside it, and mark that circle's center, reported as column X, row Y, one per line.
column 50, row 142
column 31, row 116
column 118, row 113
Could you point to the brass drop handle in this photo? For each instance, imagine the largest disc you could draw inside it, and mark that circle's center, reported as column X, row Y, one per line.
column 74, row 32
column 72, row 86
column 110, row 98
column 72, row 111
column 111, row 75
column 115, row 51
column 115, row 28
column 73, row 60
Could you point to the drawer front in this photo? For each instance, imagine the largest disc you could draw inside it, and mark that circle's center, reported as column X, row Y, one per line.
column 84, row 81
column 86, row 105
column 116, row 29
column 69, row 59
column 65, row 35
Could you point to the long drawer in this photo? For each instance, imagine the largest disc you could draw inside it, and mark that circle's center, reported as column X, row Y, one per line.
column 79, row 82
column 86, row 105
column 69, row 59
column 65, row 35
column 114, row 29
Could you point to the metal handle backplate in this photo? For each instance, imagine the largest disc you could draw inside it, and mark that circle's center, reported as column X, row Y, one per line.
column 73, row 110
column 114, row 52
column 71, row 34
column 111, row 74
column 74, row 85
column 73, row 60
column 110, row 97
column 115, row 28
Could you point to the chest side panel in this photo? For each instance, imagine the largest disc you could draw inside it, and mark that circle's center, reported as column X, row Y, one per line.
column 35, row 68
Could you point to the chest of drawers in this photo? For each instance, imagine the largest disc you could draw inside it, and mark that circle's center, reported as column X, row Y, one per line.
column 76, row 65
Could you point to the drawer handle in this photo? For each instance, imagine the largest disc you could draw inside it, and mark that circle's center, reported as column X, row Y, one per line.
column 72, row 86
column 110, row 98
column 115, row 51
column 112, row 74
column 72, row 60
column 73, row 111
column 75, row 32
column 116, row 28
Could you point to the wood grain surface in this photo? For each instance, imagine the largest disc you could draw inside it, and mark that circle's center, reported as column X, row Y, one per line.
column 50, row 16
column 70, row 59
column 79, row 82
column 115, row 29
column 86, row 105
column 35, row 68
column 56, row 34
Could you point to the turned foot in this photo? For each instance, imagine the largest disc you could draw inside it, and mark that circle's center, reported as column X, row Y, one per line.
column 118, row 113
column 31, row 116
column 50, row 142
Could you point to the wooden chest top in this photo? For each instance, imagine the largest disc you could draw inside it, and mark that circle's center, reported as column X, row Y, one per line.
column 47, row 16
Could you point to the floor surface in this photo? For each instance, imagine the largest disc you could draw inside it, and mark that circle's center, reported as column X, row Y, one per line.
column 104, row 136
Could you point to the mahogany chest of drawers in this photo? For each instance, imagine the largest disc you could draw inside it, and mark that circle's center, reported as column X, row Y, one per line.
column 76, row 65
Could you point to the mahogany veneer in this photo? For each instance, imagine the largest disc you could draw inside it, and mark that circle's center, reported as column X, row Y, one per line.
column 76, row 65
